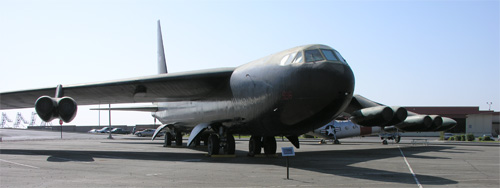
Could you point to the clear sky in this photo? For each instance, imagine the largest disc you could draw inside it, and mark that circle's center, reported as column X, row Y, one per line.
column 406, row 53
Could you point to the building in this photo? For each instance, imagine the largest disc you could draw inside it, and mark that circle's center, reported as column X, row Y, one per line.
column 469, row 119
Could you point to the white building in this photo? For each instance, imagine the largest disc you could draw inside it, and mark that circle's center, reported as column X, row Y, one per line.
column 483, row 123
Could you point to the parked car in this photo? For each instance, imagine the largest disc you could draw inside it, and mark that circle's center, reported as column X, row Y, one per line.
column 104, row 130
column 119, row 131
column 489, row 135
column 92, row 131
column 448, row 135
column 147, row 132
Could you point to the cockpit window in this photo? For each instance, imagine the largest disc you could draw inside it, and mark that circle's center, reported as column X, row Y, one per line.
column 329, row 55
column 313, row 55
column 298, row 58
column 287, row 59
column 340, row 57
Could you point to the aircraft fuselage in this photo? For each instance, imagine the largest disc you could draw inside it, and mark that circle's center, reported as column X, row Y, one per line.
column 272, row 96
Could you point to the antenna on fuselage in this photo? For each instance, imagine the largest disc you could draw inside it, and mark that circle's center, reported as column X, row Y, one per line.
column 162, row 62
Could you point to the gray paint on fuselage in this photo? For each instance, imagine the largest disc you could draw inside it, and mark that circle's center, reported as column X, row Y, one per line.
column 272, row 99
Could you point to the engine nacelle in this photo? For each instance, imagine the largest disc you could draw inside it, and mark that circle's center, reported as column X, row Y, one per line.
column 415, row 123
column 437, row 121
column 373, row 116
column 448, row 123
column 399, row 115
column 48, row 108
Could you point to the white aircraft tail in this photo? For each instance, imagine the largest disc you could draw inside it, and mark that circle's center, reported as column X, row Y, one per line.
column 162, row 62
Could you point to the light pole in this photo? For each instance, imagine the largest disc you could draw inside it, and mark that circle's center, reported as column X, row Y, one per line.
column 110, row 137
column 489, row 104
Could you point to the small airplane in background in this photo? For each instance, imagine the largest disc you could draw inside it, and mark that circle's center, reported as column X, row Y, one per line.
column 286, row 94
column 338, row 129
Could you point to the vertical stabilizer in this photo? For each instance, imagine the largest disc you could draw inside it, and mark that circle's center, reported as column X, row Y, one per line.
column 162, row 62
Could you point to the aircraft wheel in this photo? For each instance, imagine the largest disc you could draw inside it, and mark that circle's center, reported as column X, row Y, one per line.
column 213, row 144
column 384, row 142
column 254, row 146
column 178, row 138
column 322, row 141
column 204, row 137
column 197, row 141
column 269, row 143
column 336, row 142
column 168, row 139
column 230, row 145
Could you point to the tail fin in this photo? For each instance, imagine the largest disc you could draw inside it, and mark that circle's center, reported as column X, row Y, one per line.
column 162, row 62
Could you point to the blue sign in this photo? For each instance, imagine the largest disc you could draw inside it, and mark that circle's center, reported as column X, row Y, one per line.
column 287, row 151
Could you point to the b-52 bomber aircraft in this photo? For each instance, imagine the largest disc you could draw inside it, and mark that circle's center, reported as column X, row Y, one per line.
column 286, row 94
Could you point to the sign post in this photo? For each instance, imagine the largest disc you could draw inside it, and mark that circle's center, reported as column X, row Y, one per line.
column 287, row 152
column 60, row 123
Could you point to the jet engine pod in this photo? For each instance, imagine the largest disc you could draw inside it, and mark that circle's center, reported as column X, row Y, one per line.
column 67, row 107
column 373, row 116
column 400, row 115
column 448, row 123
column 437, row 121
column 49, row 108
column 46, row 108
column 415, row 123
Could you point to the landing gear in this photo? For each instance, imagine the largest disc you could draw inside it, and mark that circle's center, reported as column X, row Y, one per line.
column 213, row 144
column 178, row 138
column 336, row 141
column 322, row 141
column 169, row 136
column 168, row 139
column 269, row 143
column 256, row 144
column 223, row 141
column 230, row 145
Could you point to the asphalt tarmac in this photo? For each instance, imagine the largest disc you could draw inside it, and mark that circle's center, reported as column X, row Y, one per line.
column 42, row 159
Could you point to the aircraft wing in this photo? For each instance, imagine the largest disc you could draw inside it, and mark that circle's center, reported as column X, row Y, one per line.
column 195, row 85
column 365, row 112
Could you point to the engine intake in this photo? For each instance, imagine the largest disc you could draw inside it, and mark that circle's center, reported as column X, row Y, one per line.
column 48, row 108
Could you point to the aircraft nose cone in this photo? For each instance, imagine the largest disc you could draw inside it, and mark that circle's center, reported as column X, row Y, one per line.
column 321, row 90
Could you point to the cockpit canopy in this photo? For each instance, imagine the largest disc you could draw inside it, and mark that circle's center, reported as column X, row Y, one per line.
column 311, row 56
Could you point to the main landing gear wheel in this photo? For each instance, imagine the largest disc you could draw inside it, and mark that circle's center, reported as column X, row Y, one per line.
column 168, row 139
column 398, row 139
column 254, row 146
column 336, row 141
column 269, row 143
column 213, row 144
column 230, row 145
column 178, row 138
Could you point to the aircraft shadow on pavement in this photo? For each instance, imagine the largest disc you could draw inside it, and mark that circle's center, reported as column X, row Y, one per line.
column 334, row 162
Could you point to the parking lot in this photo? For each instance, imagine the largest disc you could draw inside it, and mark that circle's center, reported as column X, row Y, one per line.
column 83, row 160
